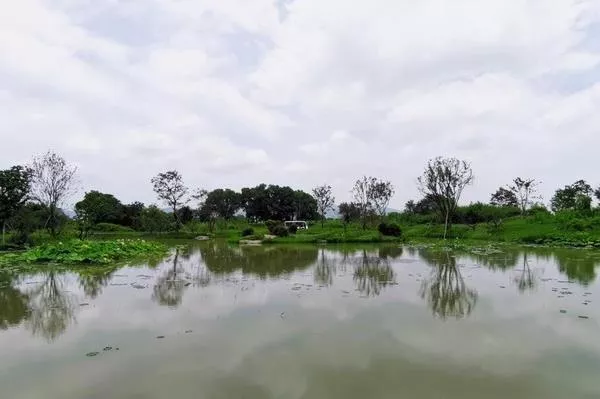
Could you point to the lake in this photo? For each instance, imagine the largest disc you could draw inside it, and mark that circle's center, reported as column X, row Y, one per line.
column 215, row 321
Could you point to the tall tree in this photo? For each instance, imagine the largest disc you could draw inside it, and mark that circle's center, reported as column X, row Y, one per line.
column 170, row 189
column 53, row 181
column 325, row 200
column 444, row 180
column 305, row 205
column 100, row 207
column 224, row 203
column 381, row 193
column 362, row 192
column 570, row 196
column 15, row 184
column 526, row 192
column 504, row 197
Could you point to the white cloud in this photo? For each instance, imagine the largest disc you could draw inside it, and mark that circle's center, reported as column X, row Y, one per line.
column 235, row 92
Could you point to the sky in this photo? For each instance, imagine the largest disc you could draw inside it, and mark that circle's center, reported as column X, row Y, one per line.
column 233, row 93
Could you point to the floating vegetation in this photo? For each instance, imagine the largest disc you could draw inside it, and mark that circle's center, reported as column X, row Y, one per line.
column 85, row 252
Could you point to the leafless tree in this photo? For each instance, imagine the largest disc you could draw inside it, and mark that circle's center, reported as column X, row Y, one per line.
column 444, row 180
column 53, row 181
column 169, row 188
column 526, row 192
column 325, row 200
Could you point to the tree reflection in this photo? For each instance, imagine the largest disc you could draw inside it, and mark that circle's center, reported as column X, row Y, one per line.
column 372, row 273
column 170, row 287
column 526, row 280
column 445, row 291
column 390, row 252
column 93, row 281
column 52, row 308
column 14, row 304
column 579, row 266
column 325, row 269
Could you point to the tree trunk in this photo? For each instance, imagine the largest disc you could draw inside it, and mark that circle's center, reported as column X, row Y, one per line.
column 446, row 224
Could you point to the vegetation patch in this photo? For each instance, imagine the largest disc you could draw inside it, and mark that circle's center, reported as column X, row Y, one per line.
column 86, row 252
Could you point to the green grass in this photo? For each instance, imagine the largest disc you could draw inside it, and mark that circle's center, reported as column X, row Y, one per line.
column 86, row 252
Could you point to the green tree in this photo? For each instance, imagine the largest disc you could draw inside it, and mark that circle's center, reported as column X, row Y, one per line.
column 169, row 188
column 15, row 184
column 504, row 197
column 305, row 206
column 349, row 213
column 381, row 194
column 53, row 181
column 363, row 197
column 130, row 215
column 153, row 219
column 325, row 200
column 568, row 197
column 224, row 203
column 444, row 180
column 100, row 207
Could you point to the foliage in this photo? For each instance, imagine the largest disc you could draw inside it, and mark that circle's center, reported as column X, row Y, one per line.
column 112, row 228
column 279, row 230
column 78, row 251
column 427, row 205
column 574, row 196
column 293, row 229
column 100, row 207
column 371, row 196
column 277, row 203
column 169, row 188
column 504, row 197
column 15, row 184
column 526, row 192
column 155, row 220
column 325, row 200
column 444, row 180
column 185, row 214
column 349, row 212
column 223, row 203
column 249, row 231
column 390, row 229
column 53, row 180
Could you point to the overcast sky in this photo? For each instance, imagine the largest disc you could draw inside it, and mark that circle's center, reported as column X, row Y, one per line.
column 233, row 93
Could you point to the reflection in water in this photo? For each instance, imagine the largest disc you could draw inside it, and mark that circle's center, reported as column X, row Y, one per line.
column 526, row 280
column 446, row 291
column 170, row 287
column 372, row 273
column 93, row 281
column 52, row 307
column 578, row 268
column 14, row 305
column 325, row 269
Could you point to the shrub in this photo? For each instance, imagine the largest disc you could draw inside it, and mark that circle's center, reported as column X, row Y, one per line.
column 293, row 229
column 390, row 229
column 248, row 232
column 111, row 228
column 271, row 224
column 280, row 231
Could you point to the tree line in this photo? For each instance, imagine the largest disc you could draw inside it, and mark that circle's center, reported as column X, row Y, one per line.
column 31, row 197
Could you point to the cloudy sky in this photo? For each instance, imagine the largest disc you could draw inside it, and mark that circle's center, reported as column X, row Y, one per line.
column 301, row 92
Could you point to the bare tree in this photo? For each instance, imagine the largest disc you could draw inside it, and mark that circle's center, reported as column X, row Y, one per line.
column 381, row 193
column 169, row 188
column 325, row 200
column 526, row 192
column 444, row 180
column 53, row 181
column 363, row 197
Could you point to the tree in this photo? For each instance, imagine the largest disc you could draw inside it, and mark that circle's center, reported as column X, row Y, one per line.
column 130, row 215
column 53, row 181
column 597, row 193
column 444, row 180
column 185, row 214
column 362, row 193
column 222, row 202
column 169, row 188
column 381, row 194
column 15, row 184
column 306, row 207
column 349, row 212
column 100, row 207
column 325, row 200
column 504, row 197
column 153, row 219
column 568, row 197
column 526, row 192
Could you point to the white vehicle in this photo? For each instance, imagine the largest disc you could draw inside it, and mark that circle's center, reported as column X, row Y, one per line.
column 300, row 224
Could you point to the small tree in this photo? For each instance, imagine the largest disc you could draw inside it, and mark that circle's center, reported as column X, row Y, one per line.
column 53, row 181
column 15, row 184
column 567, row 197
column 381, row 194
column 363, row 197
column 170, row 189
column 325, row 200
column 504, row 197
column 526, row 192
column 348, row 213
column 444, row 180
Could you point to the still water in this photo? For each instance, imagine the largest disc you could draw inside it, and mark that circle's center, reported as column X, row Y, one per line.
column 213, row 321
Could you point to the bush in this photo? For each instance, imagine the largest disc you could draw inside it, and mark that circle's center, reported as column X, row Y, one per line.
column 280, row 231
column 271, row 224
column 248, row 232
column 111, row 228
column 293, row 229
column 390, row 229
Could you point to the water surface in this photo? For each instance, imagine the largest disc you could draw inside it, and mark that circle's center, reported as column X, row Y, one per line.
column 214, row 321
